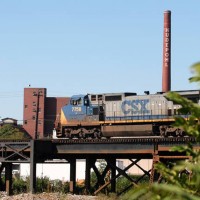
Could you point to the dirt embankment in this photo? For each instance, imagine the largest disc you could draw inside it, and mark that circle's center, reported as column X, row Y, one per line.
column 46, row 196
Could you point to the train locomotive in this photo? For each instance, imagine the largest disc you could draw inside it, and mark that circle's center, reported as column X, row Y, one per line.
column 118, row 115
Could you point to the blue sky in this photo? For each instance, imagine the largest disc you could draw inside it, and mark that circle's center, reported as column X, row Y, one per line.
column 92, row 46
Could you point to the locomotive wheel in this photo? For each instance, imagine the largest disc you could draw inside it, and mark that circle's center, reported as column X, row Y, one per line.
column 95, row 135
column 80, row 135
column 179, row 132
column 83, row 135
column 67, row 135
column 163, row 131
column 70, row 136
column 99, row 135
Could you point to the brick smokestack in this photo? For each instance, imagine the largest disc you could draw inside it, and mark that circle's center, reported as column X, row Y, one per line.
column 166, row 69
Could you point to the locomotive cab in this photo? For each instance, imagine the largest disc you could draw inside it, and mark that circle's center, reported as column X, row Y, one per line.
column 80, row 117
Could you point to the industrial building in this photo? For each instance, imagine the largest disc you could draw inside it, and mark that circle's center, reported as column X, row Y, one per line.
column 41, row 113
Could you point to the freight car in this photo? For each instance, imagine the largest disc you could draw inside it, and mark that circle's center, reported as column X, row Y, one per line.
column 118, row 115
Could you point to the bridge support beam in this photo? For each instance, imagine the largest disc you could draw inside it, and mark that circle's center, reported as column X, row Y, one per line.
column 167, row 160
column 32, row 168
column 100, row 178
column 72, row 186
column 89, row 164
column 113, row 174
column 111, row 180
column 2, row 186
column 8, row 178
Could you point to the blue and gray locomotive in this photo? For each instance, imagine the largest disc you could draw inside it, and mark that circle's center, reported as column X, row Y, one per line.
column 118, row 115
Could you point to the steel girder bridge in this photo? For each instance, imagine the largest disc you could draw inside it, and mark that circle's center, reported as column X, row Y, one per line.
column 134, row 149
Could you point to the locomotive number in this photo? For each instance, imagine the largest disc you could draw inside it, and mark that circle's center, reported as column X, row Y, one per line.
column 135, row 106
column 76, row 109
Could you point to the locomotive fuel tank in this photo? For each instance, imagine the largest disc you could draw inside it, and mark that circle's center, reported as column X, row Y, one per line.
column 128, row 130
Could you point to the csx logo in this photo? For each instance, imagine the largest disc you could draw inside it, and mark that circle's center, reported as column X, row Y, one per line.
column 135, row 106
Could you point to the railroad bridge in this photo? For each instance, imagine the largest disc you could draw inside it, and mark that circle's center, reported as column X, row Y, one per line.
column 134, row 149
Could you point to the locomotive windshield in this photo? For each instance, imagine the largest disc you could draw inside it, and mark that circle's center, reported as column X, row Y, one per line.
column 76, row 101
column 79, row 100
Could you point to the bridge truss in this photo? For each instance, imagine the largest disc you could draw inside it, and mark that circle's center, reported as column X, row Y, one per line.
column 133, row 149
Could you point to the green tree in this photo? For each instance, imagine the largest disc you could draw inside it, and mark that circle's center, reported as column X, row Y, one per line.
column 176, row 186
column 9, row 131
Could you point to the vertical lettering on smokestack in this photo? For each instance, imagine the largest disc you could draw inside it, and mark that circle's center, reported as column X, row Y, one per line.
column 166, row 70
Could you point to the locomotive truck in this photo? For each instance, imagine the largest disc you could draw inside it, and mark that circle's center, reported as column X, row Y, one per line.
column 118, row 115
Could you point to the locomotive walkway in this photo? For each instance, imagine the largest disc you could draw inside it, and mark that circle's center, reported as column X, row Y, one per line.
column 134, row 149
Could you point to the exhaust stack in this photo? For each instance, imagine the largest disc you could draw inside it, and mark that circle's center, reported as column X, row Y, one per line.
column 166, row 69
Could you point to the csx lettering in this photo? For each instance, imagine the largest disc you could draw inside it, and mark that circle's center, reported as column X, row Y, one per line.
column 76, row 109
column 135, row 106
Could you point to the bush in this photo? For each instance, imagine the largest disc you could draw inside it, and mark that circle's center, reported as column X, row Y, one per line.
column 42, row 184
column 19, row 186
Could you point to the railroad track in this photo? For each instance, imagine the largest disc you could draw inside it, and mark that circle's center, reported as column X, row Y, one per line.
column 112, row 140
column 127, row 140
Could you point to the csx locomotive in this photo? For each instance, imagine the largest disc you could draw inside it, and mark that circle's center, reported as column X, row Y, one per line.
column 119, row 115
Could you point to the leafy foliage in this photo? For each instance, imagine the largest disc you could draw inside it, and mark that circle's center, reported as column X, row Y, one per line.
column 182, row 179
column 196, row 70
column 43, row 184
column 9, row 131
column 19, row 185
